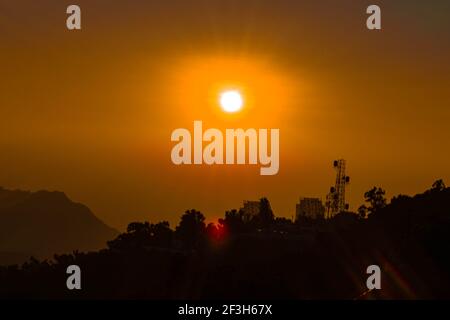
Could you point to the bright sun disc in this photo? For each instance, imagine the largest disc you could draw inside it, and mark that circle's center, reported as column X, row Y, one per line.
column 231, row 101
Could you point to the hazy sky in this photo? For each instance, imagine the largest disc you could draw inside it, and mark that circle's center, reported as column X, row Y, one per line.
column 91, row 112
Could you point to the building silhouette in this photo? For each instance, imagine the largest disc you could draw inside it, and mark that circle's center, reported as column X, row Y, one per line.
column 311, row 208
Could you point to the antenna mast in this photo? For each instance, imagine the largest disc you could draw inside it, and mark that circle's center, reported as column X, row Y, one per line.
column 335, row 202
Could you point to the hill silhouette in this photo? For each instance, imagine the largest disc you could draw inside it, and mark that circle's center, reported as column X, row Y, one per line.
column 262, row 258
column 44, row 223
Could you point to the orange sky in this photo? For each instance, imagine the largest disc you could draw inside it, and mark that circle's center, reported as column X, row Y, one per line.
column 90, row 112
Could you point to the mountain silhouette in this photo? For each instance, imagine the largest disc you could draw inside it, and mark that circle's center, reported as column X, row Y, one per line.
column 266, row 257
column 43, row 223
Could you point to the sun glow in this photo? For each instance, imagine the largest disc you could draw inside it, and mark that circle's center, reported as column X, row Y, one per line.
column 231, row 101
column 249, row 91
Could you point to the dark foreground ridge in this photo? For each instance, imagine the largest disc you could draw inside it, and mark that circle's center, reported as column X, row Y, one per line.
column 263, row 258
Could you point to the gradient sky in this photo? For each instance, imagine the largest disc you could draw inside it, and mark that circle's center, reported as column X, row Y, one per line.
column 90, row 112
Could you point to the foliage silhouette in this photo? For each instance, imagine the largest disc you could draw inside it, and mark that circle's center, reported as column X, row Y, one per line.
column 376, row 198
column 143, row 235
column 362, row 212
column 265, row 257
column 191, row 230
column 438, row 185
column 233, row 222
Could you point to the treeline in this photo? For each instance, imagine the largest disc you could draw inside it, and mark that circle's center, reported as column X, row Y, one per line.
column 262, row 256
column 192, row 233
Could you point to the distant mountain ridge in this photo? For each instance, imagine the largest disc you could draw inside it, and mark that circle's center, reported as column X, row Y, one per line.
column 43, row 223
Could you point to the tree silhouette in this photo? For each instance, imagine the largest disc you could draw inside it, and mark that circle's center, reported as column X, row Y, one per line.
column 138, row 227
column 191, row 230
column 362, row 212
column 438, row 185
column 233, row 222
column 376, row 198
column 265, row 218
column 137, row 236
column 161, row 234
column 143, row 235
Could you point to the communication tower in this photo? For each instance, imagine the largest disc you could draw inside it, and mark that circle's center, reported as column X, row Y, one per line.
column 335, row 202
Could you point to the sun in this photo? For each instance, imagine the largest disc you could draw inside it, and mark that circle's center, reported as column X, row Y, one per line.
column 231, row 101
